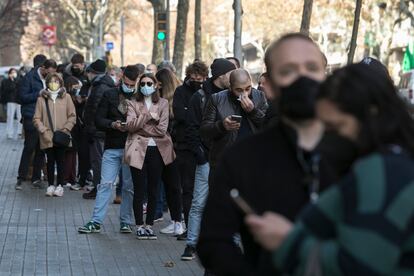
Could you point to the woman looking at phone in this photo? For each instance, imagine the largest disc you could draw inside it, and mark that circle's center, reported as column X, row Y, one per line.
column 149, row 149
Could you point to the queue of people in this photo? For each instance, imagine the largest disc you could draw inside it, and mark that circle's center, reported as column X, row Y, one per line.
column 308, row 174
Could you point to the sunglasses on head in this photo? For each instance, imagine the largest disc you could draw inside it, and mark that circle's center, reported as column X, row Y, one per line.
column 148, row 83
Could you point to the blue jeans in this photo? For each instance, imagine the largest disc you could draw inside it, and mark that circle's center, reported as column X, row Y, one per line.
column 112, row 163
column 160, row 202
column 197, row 205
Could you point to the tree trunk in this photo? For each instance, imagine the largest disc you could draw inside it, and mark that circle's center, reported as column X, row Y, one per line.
column 180, row 35
column 197, row 31
column 238, row 12
column 157, row 46
column 306, row 16
column 354, row 37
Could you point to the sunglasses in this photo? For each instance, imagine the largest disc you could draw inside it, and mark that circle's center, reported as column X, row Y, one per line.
column 142, row 84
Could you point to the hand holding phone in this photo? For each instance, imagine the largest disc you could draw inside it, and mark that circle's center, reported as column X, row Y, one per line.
column 241, row 203
column 236, row 118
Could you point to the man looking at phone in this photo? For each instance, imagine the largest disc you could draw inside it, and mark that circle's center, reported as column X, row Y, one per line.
column 232, row 114
column 110, row 117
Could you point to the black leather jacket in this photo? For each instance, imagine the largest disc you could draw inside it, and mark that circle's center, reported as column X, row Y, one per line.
column 222, row 105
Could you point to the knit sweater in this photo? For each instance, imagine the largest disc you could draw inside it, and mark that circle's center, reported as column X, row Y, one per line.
column 362, row 226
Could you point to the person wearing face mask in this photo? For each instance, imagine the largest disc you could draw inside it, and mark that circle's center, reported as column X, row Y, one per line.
column 231, row 115
column 276, row 170
column 116, row 75
column 29, row 89
column 111, row 117
column 196, row 73
column 148, row 150
column 364, row 224
column 55, row 111
column 100, row 82
column 9, row 95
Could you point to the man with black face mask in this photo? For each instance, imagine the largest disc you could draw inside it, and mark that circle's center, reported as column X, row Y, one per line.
column 276, row 170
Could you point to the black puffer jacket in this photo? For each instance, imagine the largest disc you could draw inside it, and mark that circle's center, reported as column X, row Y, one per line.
column 196, row 108
column 9, row 92
column 181, row 103
column 108, row 113
column 99, row 86
column 222, row 105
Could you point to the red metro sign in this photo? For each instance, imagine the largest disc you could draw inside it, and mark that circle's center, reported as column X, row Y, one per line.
column 49, row 35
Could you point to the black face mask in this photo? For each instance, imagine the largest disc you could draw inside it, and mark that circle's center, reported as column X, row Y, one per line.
column 338, row 151
column 76, row 71
column 297, row 101
column 195, row 85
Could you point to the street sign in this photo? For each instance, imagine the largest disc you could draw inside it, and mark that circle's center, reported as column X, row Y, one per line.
column 109, row 46
column 49, row 35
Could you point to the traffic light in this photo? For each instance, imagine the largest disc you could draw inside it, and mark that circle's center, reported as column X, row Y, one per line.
column 161, row 26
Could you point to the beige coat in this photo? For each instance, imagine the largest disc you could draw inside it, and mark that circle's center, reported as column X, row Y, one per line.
column 63, row 116
column 141, row 127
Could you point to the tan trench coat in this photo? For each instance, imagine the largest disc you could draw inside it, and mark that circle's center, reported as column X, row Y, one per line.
column 141, row 127
column 63, row 116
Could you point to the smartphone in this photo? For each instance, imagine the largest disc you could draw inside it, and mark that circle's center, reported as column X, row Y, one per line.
column 241, row 203
column 123, row 123
column 236, row 118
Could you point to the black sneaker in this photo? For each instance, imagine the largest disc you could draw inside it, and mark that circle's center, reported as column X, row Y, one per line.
column 19, row 185
column 150, row 233
column 189, row 253
column 125, row 228
column 90, row 227
column 90, row 195
column 37, row 184
column 182, row 237
column 141, row 233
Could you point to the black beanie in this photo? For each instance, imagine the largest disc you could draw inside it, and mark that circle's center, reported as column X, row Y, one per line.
column 221, row 66
column 131, row 72
column 97, row 67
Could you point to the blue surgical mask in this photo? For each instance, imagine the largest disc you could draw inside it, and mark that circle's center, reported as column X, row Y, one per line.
column 127, row 89
column 147, row 90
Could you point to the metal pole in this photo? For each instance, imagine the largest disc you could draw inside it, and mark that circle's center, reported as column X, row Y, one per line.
column 237, row 6
column 100, row 29
column 122, row 39
column 167, row 38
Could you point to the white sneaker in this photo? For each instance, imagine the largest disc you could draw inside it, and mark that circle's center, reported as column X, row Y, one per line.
column 50, row 190
column 89, row 187
column 58, row 191
column 76, row 187
column 178, row 229
column 169, row 229
column 68, row 185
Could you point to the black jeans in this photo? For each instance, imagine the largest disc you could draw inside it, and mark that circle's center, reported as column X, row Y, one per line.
column 153, row 166
column 96, row 148
column 31, row 145
column 56, row 156
column 186, row 169
column 84, row 163
column 170, row 179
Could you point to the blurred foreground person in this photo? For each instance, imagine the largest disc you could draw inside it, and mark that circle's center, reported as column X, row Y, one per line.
column 363, row 225
column 276, row 170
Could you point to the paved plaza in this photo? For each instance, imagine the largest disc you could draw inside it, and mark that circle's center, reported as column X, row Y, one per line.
column 38, row 235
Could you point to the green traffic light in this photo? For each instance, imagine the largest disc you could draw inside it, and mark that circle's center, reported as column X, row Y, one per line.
column 161, row 35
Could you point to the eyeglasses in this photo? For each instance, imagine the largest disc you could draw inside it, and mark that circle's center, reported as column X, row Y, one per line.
column 142, row 84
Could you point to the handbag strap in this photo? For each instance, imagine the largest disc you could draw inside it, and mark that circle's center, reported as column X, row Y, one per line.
column 48, row 114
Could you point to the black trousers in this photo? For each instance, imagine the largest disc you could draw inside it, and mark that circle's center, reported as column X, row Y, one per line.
column 170, row 178
column 186, row 168
column 31, row 145
column 55, row 156
column 153, row 166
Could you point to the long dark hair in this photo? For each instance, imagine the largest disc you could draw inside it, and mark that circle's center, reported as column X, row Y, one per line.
column 155, row 97
column 168, row 82
column 371, row 97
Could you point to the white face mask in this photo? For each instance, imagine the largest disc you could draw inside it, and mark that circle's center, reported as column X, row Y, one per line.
column 13, row 75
